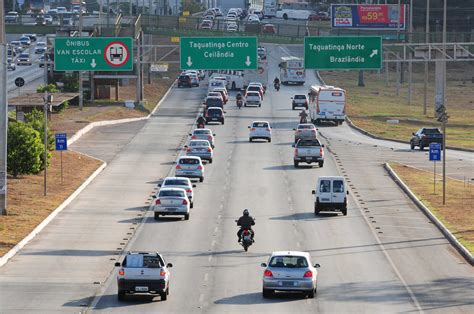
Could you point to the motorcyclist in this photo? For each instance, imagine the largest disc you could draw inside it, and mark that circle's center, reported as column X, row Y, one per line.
column 238, row 99
column 245, row 222
column 276, row 81
column 201, row 120
column 303, row 116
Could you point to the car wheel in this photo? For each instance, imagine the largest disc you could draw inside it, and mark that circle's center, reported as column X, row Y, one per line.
column 292, row 107
column 296, row 164
column 201, row 179
column 259, row 105
column 344, row 211
column 222, row 121
column 285, row 16
column 412, row 145
column 233, row 86
column 121, row 295
column 164, row 296
column 306, row 107
column 269, row 140
column 186, row 216
column 310, row 294
column 250, row 139
column 316, row 208
column 321, row 164
column 157, row 216
column 267, row 293
column 210, row 161
column 422, row 147
column 191, row 205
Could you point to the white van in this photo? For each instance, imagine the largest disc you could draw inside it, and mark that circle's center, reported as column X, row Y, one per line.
column 213, row 83
column 331, row 195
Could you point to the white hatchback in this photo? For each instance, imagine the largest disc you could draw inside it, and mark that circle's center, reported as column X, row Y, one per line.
column 171, row 201
column 182, row 183
column 260, row 130
column 190, row 167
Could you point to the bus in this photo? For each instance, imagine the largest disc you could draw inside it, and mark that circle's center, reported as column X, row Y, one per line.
column 327, row 104
column 240, row 79
column 270, row 8
column 294, row 11
column 234, row 78
column 292, row 70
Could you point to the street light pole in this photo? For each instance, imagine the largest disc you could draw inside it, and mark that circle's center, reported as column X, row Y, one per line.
column 427, row 39
column 444, row 100
column 81, row 85
column 3, row 113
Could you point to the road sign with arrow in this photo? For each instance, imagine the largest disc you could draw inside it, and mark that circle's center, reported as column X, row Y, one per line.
column 218, row 53
column 93, row 54
column 343, row 52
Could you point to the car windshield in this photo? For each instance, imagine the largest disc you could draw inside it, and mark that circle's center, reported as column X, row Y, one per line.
column 300, row 97
column 172, row 193
column 199, row 143
column 288, row 262
column 260, row 125
column 189, row 161
column 176, row 182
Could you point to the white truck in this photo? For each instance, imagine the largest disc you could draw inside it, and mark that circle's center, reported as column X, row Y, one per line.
column 327, row 104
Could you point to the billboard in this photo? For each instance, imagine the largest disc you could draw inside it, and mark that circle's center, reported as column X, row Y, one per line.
column 367, row 16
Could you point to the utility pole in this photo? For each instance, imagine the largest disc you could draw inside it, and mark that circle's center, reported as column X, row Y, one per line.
column 47, row 100
column 3, row 113
column 445, row 9
column 427, row 40
column 410, row 64
column 81, row 85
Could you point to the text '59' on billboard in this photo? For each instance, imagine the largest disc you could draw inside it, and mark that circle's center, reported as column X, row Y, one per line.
column 93, row 54
column 367, row 16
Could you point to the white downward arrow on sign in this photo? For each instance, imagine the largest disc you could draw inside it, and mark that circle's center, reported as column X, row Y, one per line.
column 374, row 52
column 248, row 62
column 189, row 63
column 93, row 64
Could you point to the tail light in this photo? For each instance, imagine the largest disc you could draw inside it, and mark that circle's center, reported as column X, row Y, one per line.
column 200, row 167
column 158, row 202
column 321, row 151
column 268, row 130
column 121, row 272
column 345, row 201
column 209, row 150
column 252, row 129
column 306, row 102
column 268, row 273
column 193, row 137
column 206, row 115
column 162, row 273
column 209, row 137
column 185, row 202
column 308, row 274
column 188, row 150
column 189, row 191
column 299, row 131
column 296, row 152
column 313, row 131
column 178, row 167
column 246, row 232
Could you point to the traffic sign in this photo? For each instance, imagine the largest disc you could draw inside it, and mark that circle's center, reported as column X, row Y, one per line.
column 343, row 53
column 435, row 152
column 93, row 54
column 19, row 81
column 218, row 53
column 61, row 141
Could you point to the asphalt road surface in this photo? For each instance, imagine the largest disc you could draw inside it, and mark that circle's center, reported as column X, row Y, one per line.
column 384, row 256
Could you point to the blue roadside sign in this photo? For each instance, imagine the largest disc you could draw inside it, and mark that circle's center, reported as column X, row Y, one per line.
column 61, row 141
column 435, row 152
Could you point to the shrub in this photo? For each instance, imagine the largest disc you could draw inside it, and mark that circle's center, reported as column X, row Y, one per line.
column 35, row 120
column 24, row 150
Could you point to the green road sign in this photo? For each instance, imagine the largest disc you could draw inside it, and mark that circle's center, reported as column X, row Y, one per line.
column 93, row 54
column 218, row 53
column 343, row 53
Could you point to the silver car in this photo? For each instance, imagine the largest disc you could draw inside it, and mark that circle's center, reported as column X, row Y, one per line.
column 203, row 134
column 190, row 167
column 290, row 271
column 182, row 183
column 171, row 201
column 200, row 148
column 305, row 131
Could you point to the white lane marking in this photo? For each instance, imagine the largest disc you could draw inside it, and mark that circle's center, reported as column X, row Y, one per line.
column 201, row 298
column 206, row 276
column 209, row 258
column 298, row 244
column 215, row 229
column 213, row 243
column 219, row 216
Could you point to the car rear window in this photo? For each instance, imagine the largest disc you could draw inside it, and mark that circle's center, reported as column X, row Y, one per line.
column 260, row 125
column 175, row 182
column 171, row 193
column 305, row 126
column 338, row 186
column 288, row 262
column 213, row 101
column 142, row 260
column 431, row 131
column 253, row 88
column 253, row 93
column 300, row 97
column 199, row 143
column 186, row 161
column 325, row 186
column 199, row 132
column 308, row 143
column 214, row 112
column 184, row 77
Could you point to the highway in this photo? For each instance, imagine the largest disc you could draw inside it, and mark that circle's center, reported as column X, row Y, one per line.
column 384, row 256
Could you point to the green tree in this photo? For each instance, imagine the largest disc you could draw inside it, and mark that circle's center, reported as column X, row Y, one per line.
column 24, row 150
column 35, row 120
column 192, row 6
column 50, row 88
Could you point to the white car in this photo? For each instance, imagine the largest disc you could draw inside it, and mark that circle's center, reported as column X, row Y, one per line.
column 223, row 92
column 203, row 134
column 262, row 88
column 171, row 201
column 253, row 18
column 200, row 148
column 232, row 28
column 290, row 271
column 260, row 130
column 253, row 98
column 182, row 183
column 190, row 167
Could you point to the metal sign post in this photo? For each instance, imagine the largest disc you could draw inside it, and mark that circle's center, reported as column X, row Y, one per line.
column 61, row 144
column 435, row 155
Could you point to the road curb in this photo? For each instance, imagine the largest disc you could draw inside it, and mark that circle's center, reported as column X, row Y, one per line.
column 451, row 238
column 92, row 125
column 361, row 130
column 5, row 258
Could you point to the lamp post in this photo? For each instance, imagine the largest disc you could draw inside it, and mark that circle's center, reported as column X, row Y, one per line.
column 48, row 99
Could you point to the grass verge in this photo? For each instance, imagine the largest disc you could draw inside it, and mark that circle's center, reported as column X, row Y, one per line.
column 458, row 213
column 28, row 207
column 371, row 106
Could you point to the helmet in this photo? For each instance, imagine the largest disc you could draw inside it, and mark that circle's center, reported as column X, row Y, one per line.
column 246, row 212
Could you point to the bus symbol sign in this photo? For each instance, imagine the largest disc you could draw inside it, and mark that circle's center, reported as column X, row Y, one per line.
column 116, row 54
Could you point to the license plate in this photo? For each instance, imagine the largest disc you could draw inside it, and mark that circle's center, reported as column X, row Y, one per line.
column 141, row 289
column 213, row 119
column 325, row 199
column 188, row 172
column 171, row 209
column 287, row 283
column 308, row 158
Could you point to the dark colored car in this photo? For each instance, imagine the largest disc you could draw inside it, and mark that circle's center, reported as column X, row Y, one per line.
column 214, row 102
column 424, row 136
column 269, row 29
column 214, row 114
column 184, row 80
column 320, row 16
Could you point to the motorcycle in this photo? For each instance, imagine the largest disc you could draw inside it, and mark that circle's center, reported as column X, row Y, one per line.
column 247, row 238
column 277, row 86
column 239, row 103
column 303, row 120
